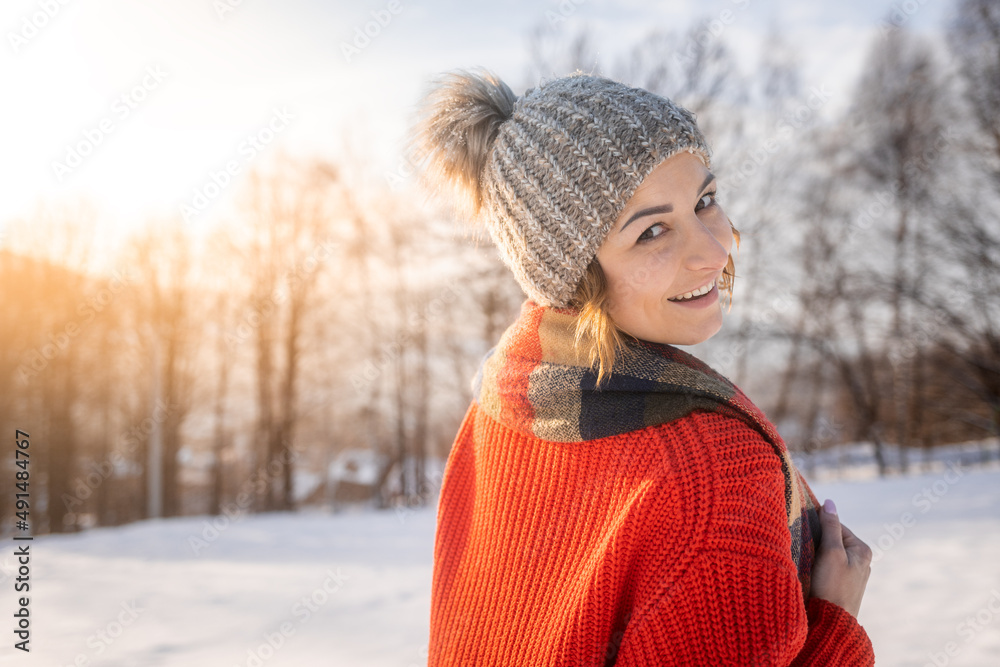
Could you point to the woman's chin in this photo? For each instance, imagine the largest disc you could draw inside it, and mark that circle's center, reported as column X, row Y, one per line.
column 697, row 334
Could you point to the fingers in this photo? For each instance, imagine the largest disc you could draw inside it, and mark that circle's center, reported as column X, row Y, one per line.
column 833, row 532
column 857, row 550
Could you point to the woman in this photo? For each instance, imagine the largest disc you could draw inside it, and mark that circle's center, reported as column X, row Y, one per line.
column 609, row 498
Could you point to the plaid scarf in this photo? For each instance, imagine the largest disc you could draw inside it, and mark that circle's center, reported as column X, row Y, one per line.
column 535, row 382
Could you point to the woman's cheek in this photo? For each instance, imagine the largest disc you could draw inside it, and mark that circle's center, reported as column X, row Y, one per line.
column 641, row 273
column 663, row 263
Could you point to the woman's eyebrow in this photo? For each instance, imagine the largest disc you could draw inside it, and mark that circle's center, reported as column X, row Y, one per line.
column 664, row 208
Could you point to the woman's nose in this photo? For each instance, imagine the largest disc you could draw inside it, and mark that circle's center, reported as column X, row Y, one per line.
column 708, row 247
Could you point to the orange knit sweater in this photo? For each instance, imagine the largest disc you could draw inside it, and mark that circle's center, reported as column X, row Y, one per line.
column 667, row 545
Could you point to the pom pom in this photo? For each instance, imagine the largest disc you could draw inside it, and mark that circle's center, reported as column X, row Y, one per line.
column 458, row 121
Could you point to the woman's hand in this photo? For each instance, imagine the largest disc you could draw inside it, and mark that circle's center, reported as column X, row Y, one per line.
column 843, row 563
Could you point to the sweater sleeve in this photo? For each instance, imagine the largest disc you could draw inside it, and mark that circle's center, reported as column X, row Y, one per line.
column 736, row 598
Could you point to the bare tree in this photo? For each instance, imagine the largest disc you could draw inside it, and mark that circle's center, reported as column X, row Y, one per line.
column 974, row 38
column 901, row 100
column 162, row 257
column 288, row 214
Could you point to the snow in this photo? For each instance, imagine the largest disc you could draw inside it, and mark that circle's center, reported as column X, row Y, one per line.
column 353, row 588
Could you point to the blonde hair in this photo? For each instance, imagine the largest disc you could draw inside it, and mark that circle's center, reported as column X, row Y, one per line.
column 605, row 340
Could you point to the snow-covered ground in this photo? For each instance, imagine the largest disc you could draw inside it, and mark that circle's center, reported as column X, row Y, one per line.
column 353, row 589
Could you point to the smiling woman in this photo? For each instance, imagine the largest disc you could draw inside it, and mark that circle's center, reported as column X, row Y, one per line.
column 665, row 261
column 610, row 499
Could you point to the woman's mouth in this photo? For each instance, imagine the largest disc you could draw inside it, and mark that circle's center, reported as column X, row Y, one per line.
column 698, row 298
column 694, row 295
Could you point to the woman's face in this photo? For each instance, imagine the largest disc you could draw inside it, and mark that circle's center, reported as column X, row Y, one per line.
column 670, row 243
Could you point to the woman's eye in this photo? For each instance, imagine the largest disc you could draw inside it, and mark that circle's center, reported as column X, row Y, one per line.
column 702, row 203
column 648, row 234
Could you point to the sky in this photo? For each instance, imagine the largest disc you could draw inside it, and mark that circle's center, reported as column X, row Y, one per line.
column 160, row 108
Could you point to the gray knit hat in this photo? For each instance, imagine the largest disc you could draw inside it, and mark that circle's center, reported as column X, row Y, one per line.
column 551, row 171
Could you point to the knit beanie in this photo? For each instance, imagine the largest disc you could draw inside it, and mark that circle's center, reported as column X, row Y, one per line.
column 548, row 172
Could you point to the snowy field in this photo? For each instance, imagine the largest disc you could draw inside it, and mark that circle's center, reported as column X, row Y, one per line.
column 353, row 589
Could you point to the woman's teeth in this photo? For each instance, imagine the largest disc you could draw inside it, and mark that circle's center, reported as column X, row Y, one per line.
column 698, row 292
